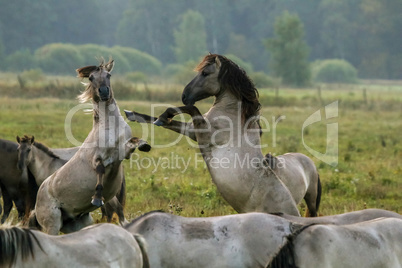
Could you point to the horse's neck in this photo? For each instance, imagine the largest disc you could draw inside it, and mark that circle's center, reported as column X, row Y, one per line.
column 43, row 165
column 225, row 118
column 110, row 131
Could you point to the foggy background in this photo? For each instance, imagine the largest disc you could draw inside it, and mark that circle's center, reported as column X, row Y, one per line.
column 366, row 33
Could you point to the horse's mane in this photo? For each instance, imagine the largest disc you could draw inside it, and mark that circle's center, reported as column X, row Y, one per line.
column 45, row 149
column 234, row 78
column 142, row 216
column 40, row 146
column 285, row 257
column 14, row 241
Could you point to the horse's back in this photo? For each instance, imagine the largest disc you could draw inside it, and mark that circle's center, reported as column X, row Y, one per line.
column 102, row 245
column 371, row 244
column 344, row 218
column 240, row 240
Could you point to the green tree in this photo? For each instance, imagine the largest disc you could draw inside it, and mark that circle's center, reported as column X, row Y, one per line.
column 289, row 51
column 190, row 38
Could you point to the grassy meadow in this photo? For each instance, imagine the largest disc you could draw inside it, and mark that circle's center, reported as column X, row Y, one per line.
column 173, row 177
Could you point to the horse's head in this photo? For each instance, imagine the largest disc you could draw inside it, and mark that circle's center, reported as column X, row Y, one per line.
column 24, row 151
column 206, row 83
column 218, row 75
column 99, row 88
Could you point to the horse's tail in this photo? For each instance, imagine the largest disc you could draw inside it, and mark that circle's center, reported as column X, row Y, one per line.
column 285, row 257
column 16, row 241
column 319, row 190
column 317, row 200
column 141, row 243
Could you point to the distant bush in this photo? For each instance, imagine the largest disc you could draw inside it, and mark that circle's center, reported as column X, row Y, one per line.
column 33, row 75
column 262, row 80
column 59, row 58
column 92, row 54
column 334, row 71
column 139, row 61
column 20, row 60
column 179, row 73
column 136, row 77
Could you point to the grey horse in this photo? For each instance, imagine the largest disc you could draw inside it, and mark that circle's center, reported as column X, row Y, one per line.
column 94, row 174
column 228, row 136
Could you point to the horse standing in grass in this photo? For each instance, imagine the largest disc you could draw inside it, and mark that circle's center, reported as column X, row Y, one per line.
column 13, row 181
column 228, row 136
column 101, row 245
column 94, row 174
column 42, row 162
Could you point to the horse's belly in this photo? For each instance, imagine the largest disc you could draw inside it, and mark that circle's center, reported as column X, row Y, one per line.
column 74, row 189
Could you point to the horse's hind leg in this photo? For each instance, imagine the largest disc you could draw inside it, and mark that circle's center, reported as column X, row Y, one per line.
column 49, row 218
column 97, row 199
column 7, row 204
column 77, row 224
column 114, row 206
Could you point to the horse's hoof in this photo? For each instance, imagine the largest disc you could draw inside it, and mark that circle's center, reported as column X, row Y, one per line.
column 144, row 147
column 159, row 123
column 97, row 202
column 130, row 115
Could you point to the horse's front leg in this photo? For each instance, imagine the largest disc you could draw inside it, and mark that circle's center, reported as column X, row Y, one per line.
column 97, row 199
column 166, row 117
column 176, row 126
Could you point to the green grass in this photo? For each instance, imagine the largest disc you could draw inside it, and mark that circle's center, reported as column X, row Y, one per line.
column 370, row 149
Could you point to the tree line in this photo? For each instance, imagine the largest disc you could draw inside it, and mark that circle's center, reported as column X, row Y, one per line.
column 364, row 33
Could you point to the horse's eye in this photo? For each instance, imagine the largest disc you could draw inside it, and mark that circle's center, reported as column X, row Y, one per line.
column 204, row 73
column 91, row 78
column 108, row 76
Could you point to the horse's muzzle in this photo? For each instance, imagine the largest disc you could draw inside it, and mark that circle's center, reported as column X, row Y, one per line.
column 104, row 93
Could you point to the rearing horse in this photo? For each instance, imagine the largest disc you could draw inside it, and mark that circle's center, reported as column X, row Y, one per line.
column 228, row 136
column 64, row 198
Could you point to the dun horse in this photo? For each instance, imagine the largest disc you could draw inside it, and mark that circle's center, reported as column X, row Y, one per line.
column 228, row 136
column 65, row 198
column 240, row 240
column 101, row 245
column 13, row 181
column 42, row 162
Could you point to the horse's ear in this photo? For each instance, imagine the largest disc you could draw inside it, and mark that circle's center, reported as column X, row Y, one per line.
column 109, row 66
column 18, row 139
column 32, row 139
column 86, row 71
column 217, row 62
